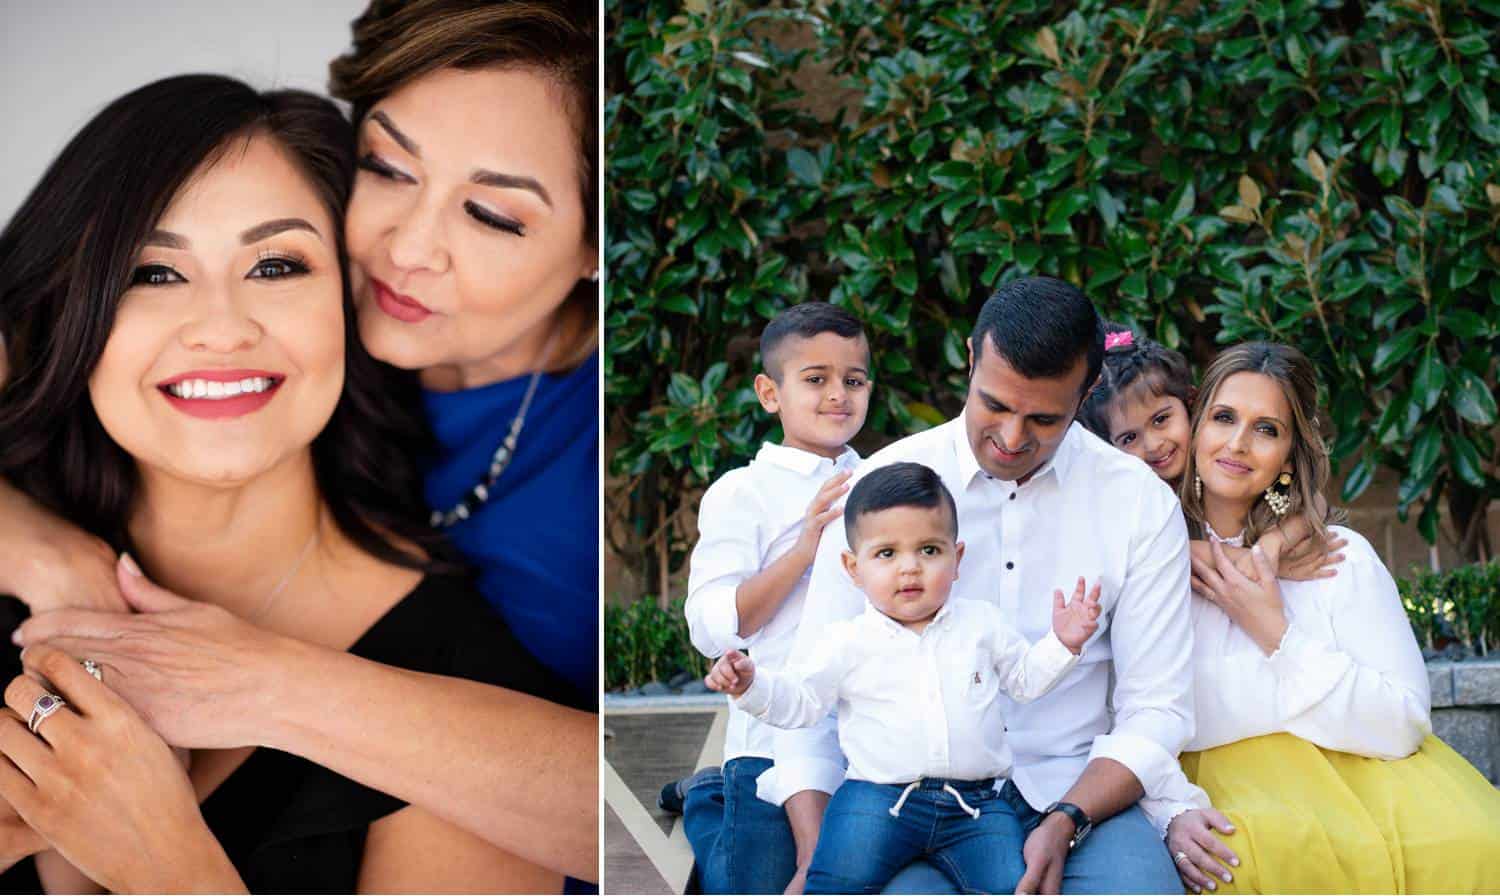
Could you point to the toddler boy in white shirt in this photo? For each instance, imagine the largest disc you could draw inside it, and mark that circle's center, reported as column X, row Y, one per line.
column 916, row 679
column 759, row 527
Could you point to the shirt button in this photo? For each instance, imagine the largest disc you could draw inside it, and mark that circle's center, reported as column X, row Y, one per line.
column 1012, row 496
column 1009, row 565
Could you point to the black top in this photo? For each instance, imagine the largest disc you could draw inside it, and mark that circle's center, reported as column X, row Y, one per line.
column 291, row 826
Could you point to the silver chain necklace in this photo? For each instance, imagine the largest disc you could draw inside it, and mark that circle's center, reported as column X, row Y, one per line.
column 480, row 493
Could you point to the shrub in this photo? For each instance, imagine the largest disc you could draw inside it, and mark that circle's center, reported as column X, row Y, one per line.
column 645, row 643
column 1461, row 605
column 1318, row 173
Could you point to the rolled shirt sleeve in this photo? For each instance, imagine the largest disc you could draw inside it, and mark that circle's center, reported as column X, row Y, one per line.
column 1152, row 641
column 727, row 553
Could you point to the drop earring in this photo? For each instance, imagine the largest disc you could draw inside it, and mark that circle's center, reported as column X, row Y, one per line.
column 1277, row 496
column 1198, row 487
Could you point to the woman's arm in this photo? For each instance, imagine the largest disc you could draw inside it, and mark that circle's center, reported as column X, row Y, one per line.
column 414, row 851
column 1352, row 681
column 49, row 563
column 516, row 770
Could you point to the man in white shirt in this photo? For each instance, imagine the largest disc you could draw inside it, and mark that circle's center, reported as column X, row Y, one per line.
column 1043, row 502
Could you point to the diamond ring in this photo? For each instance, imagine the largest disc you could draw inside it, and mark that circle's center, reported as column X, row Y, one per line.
column 46, row 705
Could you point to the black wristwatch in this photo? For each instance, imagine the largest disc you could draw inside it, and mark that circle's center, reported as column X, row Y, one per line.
column 1082, row 824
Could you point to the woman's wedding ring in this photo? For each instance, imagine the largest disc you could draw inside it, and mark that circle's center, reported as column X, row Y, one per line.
column 93, row 669
column 1179, row 856
column 46, row 705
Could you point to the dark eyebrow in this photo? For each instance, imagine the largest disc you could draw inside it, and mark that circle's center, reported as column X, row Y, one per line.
column 401, row 139
column 1275, row 420
column 271, row 228
column 510, row 182
column 166, row 239
column 997, row 405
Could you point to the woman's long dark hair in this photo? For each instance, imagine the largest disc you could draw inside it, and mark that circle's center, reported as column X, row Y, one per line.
column 66, row 259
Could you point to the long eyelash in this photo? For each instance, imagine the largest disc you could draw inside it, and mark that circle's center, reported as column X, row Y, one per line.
column 372, row 163
column 296, row 259
column 491, row 220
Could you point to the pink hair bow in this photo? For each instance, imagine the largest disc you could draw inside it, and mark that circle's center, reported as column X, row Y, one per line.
column 1116, row 340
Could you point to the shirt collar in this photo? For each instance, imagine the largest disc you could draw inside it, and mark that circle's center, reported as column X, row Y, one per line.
column 804, row 462
column 887, row 624
column 1058, row 465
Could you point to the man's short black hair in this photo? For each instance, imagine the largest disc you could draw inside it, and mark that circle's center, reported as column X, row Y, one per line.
column 1041, row 326
column 898, row 485
column 806, row 321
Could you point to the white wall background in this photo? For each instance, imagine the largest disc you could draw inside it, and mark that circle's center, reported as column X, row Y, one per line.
column 61, row 61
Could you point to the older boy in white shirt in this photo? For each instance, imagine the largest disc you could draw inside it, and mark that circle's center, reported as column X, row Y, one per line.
column 916, row 679
column 759, row 527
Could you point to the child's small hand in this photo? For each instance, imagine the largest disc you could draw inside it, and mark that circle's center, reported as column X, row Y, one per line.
column 732, row 674
column 821, row 512
column 1075, row 620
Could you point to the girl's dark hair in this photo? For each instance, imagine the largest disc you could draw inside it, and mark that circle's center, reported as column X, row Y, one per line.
column 66, row 259
column 398, row 41
column 1139, row 363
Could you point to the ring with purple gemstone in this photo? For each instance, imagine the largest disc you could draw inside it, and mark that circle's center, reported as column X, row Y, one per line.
column 46, row 705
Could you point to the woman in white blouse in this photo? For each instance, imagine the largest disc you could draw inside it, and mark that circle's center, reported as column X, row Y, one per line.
column 1314, row 755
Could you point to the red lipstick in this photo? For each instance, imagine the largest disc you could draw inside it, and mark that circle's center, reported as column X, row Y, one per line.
column 403, row 308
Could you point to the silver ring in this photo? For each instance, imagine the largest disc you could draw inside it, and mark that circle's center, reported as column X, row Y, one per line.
column 45, row 705
column 93, row 669
column 1179, row 856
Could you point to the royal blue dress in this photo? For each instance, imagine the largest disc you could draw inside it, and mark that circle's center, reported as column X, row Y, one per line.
column 535, row 542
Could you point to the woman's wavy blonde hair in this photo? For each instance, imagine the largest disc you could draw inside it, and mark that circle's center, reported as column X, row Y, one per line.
column 397, row 41
column 1294, row 373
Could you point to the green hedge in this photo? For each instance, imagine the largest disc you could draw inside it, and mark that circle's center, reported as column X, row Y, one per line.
column 644, row 642
column 1319, row 173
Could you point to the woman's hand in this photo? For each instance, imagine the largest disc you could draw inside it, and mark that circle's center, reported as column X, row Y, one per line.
column 49, row 563
column 100, row 786
column 1254, row 604
column 1197, row 852
column 199, row 675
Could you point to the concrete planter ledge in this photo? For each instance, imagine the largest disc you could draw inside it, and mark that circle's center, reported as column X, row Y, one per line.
column 1466, row 710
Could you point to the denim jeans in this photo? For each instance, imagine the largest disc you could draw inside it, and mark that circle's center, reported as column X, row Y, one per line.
column 741, row 843
column 863, row 845
column 1123, row 854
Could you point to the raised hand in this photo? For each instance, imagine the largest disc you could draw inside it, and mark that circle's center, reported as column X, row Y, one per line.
column 732, row 674
column 820, row 512
column 1252, row 603
column 1076, row 620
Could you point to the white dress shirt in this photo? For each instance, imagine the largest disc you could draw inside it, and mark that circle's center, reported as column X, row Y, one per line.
column 914, row 706
column 749, row 518
column 1091, row 511
column 1348, row 674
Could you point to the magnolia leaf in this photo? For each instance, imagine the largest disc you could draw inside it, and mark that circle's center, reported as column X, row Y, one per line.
column 1046, row 41
column 1237, row 213
column 1249, row 193
column 1316, row 166
column 1493, row 192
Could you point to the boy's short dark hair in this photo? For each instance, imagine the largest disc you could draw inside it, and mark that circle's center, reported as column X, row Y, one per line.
column 897, row 485
column 1041, row 326
column 805, row 321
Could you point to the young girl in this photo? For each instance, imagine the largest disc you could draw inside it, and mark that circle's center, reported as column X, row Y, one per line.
column 1141, row 406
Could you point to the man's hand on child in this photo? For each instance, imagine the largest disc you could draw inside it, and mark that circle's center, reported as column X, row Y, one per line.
column 821, row 512
column 732, row 674
column 1075, row 620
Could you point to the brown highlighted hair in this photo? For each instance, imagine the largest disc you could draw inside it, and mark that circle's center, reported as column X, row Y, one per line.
column 1294, row 373
column 398, row 41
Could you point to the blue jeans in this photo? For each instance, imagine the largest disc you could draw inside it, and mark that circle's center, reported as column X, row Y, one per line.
column 1123, row 854
column 863, row 845
column 741, row 843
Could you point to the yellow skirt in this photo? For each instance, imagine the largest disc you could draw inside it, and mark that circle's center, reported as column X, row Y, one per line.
column 1309, row 820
